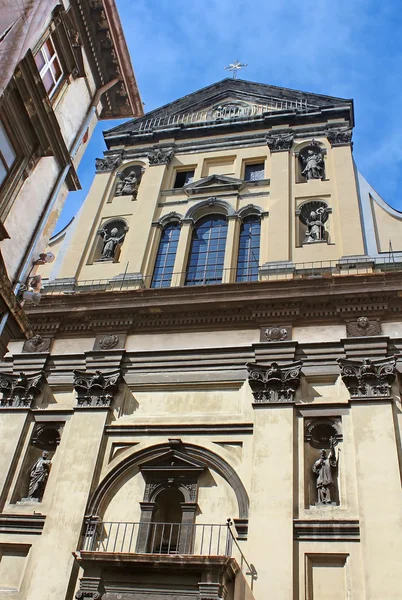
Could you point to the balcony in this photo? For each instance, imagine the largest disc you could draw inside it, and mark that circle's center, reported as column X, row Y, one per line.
column 206, row 553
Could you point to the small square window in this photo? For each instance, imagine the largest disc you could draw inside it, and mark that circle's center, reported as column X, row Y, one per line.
column 49, row 66
column 254, row 172
column 183, row 177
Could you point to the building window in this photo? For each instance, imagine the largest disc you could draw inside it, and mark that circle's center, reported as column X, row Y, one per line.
column 207, row 252
column 183, row 177
column 249, row 249
column 49, row 66
column 254, row 172
column 8, row 155
column 165, row 258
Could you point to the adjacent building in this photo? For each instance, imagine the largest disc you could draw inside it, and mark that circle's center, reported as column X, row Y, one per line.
column 63, row 66
column 210, row 406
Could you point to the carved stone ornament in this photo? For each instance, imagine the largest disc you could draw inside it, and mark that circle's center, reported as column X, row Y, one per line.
column 107, row 342
column 47, row 435
column 113, row 234
column 275, row 334
column 280, row 142
column 274, row 383
column 160, row 157
column 366, row 378
column 314, row 215
column 339, row 137
column 96, row 389
column 37, row 344
column 89, row 594
column 19, row 391
column 109, row 163
column 312, row 161
column 363, row 327
column 129, row 181
column 319, row 432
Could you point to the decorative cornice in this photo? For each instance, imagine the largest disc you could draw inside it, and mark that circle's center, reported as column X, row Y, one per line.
column 281, row 142
column 339, row 137
column 96, row 389
column 19, row 391
column 274, row 383
column 158, row 156
column 368, row 378
column 22, row 524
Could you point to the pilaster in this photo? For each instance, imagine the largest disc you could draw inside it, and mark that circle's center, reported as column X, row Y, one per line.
column 280, row 226
column 183, row 247
column 232, row 250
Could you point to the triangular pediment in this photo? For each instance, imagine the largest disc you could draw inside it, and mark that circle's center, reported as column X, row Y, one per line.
column 213, row 183
column 231, row 93
column 172, row 460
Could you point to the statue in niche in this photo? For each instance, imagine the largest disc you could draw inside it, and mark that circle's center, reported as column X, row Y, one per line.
column 111, row 241
column 323, row 469
column 128, row 185
column 312, row 163
column 315, row 231
column 38, row 477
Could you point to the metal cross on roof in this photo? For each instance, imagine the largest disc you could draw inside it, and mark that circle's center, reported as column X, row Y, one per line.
column 234, row 67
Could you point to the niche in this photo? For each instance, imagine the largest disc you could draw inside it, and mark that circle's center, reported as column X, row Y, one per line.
column 110, row 238
column 128, row 181
column 32, row 481
column 310, row 163
column 312, row 226
column 322, row 440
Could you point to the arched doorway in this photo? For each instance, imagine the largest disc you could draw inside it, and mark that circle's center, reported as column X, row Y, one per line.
column 167, row 528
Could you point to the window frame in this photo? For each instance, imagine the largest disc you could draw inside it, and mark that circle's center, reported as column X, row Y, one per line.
column 10, row 169
column 249, row 164
column 246, row 271
column 161, row 275
column 215, row 247
column 47, row 66
column 177, row 172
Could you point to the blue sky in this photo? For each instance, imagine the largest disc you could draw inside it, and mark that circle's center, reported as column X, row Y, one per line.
column 350, row 49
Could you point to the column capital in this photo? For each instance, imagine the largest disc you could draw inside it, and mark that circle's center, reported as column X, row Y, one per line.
column 159, row 156
column 368, row 378
column 274, row 383
column 281, row 142
column 19, row 391
column 96, row 390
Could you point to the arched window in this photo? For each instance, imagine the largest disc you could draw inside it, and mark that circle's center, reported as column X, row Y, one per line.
column 207, row 252
column 166, row 256
column 249, row 249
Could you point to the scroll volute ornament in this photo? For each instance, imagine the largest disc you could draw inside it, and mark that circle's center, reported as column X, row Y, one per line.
column 365, row 378
column 274, row 383
column 96, row 389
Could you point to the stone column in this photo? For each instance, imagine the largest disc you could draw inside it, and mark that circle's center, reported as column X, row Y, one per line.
column 13, row 426
column 187, row 530
column 232, row 249
column 149, row 259
column 144, row 529
column 183, row 248
column 272, row 487
column 62, row 531
column 280, row 221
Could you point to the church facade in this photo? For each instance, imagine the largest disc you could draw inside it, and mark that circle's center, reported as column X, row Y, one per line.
column 210, row 406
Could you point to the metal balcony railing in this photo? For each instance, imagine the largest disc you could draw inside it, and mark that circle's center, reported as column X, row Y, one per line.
column 166, row 538
column 217, row 276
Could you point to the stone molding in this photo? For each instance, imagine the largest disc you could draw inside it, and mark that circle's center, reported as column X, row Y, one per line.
column 274, row 383
column 20, row 391
column 330, row 530
column 368, row 378
column 281, row 142
column 37, row 344
column 22, row 524
column 96, row 390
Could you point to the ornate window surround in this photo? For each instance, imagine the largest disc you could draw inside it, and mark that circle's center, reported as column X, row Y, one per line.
column 209, row 206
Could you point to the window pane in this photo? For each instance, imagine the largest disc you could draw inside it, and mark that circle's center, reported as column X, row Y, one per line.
column 48, row 48
column 249, row 249
column 56, row 69
column 3, row 172
column 48, row 81
column 39, row 60
column 205, row 263
column 254, row 172
column 6, row 148
column 164, row 262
